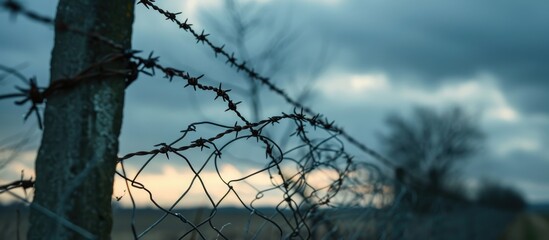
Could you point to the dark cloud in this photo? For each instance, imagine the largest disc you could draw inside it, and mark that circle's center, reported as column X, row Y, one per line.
column 532, row 98
column 436, row 40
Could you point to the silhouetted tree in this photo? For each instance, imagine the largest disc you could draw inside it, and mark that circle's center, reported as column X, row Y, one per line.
column 500, row 196
column 432, row 145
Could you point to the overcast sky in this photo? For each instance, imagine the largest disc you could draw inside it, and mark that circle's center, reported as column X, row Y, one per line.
column 360, row 59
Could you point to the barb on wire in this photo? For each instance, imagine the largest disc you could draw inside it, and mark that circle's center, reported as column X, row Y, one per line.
column 33, row 94
column 23, row 184
column 37, row 95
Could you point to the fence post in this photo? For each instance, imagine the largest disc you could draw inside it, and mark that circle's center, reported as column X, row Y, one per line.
column 77, row 157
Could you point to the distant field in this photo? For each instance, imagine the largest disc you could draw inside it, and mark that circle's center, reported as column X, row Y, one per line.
column 234, row 223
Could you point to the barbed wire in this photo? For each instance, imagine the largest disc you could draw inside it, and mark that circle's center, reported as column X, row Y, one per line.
column 302, row 201
column 150, row 63
column 241, row 65
column 295, row 221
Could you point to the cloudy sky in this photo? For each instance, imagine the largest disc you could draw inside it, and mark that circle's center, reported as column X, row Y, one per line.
column 359, row 60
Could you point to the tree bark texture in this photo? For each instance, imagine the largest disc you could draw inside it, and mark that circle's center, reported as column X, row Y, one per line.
column 76, row 161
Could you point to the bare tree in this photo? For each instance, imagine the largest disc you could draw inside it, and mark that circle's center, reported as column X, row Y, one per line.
column 432, row 145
